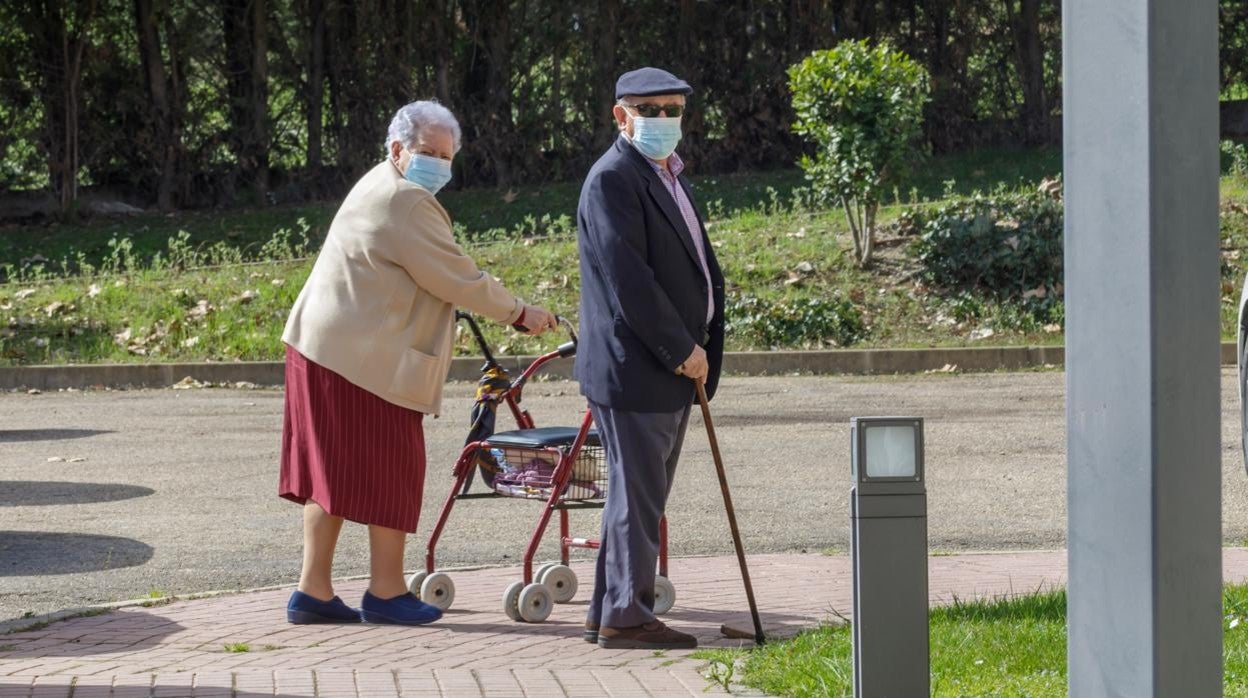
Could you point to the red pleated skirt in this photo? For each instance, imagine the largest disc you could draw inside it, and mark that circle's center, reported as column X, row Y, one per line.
column 353, row 453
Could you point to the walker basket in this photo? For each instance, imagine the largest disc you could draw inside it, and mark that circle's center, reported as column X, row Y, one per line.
column 532, row 462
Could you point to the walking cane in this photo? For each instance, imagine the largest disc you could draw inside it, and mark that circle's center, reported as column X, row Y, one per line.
column 732, row 524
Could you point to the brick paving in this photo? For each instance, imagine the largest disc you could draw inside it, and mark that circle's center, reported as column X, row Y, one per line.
column 179, row 649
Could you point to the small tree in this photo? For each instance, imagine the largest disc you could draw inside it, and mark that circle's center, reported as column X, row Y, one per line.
column 862, row 107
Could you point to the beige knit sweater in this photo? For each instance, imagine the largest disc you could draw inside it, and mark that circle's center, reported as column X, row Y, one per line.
column 378, row 308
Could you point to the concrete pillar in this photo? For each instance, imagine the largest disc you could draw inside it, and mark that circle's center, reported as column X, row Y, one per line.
column 1142, row 292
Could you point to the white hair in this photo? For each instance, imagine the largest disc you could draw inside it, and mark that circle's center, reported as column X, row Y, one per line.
column 413, row 119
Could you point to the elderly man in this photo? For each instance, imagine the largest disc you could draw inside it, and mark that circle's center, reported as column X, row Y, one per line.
column 652, row 322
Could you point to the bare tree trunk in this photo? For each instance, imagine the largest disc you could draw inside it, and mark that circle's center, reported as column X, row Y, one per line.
column 949, row 45
column 178, row 100
column 46, row 40
column 315, row 89
column 1029, row 54
column 259, row 95
column 444, row 28
column 555, row 118
column 854, row 226
column 687, row 24
column 72, row 50
column 157, row 88
column 69, row 166
column 356, row 86
column 487, row 88
column 403, row 39
column 343, row 69
column 246, row 41
column 605, row 72
column 686, row 55
column 337, row 56
column 868, row 233
column 444, row 81
column 59, row 51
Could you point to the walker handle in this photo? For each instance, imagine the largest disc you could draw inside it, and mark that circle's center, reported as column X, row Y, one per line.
column 476, row 332
column 567, row 324
column 568, row 348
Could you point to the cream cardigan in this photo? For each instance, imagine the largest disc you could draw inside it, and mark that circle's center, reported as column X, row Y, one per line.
column 378, row 308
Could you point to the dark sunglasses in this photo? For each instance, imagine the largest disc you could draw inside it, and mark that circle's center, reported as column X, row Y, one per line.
column 652, row 110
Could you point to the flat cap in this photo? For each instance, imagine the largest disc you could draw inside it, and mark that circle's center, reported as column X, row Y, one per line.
column 644, row 82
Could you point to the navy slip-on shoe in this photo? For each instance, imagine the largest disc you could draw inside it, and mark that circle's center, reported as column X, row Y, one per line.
column 303, row 610
column 404, row 609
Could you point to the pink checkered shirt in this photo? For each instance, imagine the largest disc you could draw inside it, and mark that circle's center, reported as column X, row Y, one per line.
column 669, row 178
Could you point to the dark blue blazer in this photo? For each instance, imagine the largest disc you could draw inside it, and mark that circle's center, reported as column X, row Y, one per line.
column 643, row 294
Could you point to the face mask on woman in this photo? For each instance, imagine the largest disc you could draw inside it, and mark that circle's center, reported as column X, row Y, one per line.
column 428, row 172
column 656, row 137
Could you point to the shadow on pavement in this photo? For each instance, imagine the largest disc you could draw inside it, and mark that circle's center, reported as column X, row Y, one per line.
column 704, row 623
column 26, row 553
column 776, row 626
column 90, row 686
column 107, row 633
column 31, row 493
column 15, row 435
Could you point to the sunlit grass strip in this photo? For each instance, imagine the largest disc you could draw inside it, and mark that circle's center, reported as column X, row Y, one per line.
column 1001, row 647
column 791, row 285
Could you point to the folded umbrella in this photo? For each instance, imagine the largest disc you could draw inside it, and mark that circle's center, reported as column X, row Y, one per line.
column 490, row 390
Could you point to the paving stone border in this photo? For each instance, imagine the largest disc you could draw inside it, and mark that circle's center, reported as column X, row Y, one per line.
column 241, row 647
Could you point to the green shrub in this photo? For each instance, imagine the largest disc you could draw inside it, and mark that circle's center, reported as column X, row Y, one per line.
column 862, row 108
column 795, row 323
column 909, row 223
column 1029, row 315
column 286, row 244
column 1008, row 246
column 1234, row 158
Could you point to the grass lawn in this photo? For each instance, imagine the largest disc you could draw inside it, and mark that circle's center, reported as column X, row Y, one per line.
column 196, row 287
column 481, row 213
column 1012, row 648
column 237, row 311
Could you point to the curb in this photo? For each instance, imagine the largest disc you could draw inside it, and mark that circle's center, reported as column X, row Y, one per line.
column 743, row 363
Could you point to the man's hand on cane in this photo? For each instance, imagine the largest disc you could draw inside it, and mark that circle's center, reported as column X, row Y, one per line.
column 695, row 367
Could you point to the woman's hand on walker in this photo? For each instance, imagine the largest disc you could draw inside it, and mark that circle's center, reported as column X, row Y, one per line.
column 536, row 320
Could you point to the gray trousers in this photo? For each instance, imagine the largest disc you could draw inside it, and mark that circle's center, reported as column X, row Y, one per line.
column 641, row 449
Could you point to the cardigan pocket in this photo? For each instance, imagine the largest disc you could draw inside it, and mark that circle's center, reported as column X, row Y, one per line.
column 416, row 376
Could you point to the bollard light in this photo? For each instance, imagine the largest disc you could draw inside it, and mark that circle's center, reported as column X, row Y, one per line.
column 890, row 449
column 888, row 521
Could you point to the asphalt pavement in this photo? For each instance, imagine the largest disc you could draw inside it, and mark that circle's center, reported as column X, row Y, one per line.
column 114, row 495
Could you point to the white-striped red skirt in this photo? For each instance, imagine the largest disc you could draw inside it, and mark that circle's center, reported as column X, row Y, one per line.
column 353, row 453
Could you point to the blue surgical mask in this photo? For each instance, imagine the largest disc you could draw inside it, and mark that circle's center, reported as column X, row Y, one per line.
column 428, row 172
column 656, row 137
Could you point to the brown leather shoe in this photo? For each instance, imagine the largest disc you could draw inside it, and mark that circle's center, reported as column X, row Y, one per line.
column 651, row 636
column 591, row 633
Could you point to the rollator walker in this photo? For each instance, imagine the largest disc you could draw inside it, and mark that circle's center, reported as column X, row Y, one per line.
column 564, row 467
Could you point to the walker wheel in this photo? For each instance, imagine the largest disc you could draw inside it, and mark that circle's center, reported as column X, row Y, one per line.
column 540, row 571
column 438, row 590
column 535, row 603
column 561, row 581
column 664, row 595
column 414, row 582
column 511, row 600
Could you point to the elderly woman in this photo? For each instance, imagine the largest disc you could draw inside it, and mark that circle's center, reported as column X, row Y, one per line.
column 368, row 347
